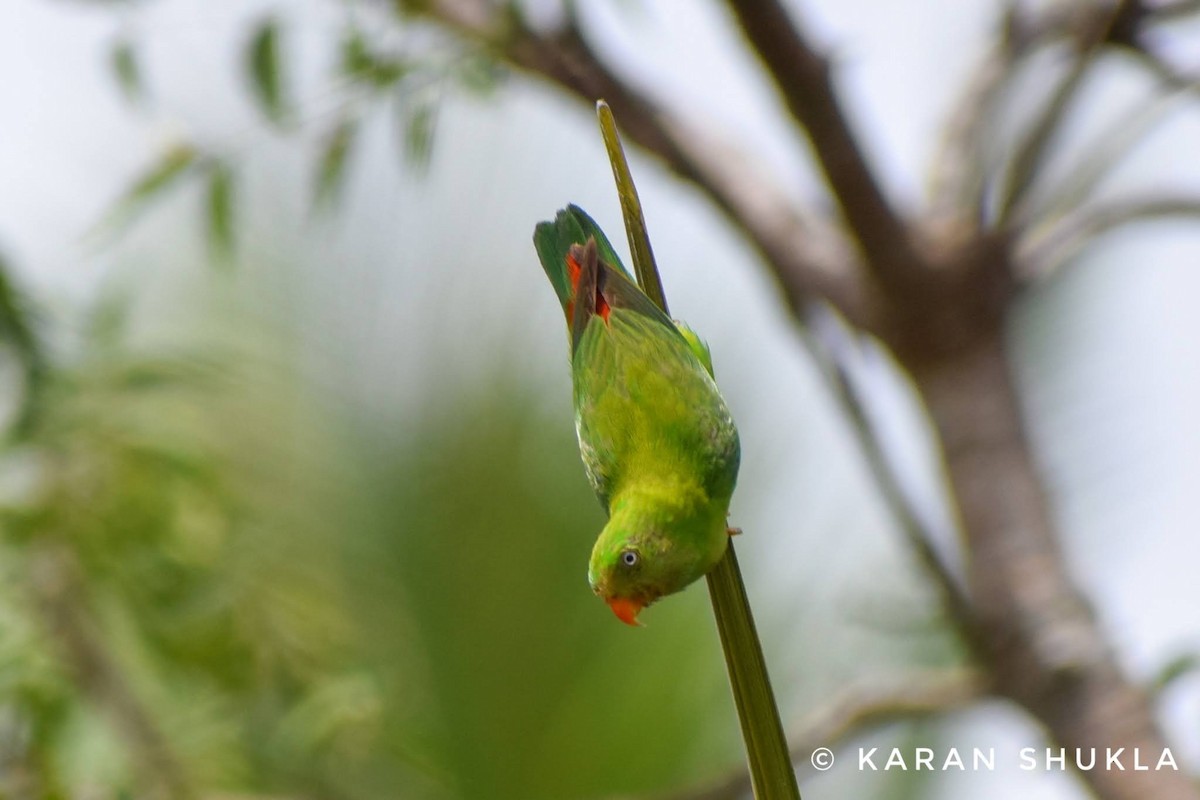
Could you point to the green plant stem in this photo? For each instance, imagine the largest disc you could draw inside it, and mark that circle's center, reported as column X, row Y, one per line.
column 644, row 265
column 771, row 773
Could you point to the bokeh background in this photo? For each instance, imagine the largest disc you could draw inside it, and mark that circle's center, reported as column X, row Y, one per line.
column 295, row 509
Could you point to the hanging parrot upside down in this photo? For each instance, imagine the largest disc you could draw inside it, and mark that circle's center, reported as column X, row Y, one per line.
column 657, row 440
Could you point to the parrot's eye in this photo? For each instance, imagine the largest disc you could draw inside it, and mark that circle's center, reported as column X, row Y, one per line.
column 629, row 558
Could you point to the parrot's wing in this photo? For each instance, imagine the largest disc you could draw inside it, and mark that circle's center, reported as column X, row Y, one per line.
column 600, row 287
column 588, row 300
column 697, row 344
column 589, row 227
column 553, row 241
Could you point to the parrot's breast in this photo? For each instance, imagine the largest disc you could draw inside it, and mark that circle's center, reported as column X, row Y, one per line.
column 648, row 411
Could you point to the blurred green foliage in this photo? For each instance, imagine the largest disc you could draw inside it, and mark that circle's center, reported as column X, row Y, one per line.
column 218, row 580
column 536, row 692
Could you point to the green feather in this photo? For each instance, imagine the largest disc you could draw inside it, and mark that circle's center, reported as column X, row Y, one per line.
column 553, row 240
column 697, row 344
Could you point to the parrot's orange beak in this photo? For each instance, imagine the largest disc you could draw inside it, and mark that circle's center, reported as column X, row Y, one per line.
column 625, row 609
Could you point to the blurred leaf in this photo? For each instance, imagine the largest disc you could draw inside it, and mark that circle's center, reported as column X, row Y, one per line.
column 1178, row 667
column 479, row 73
column 163, row 174
column 170, row 168
column 365, row 66
column 266, row 74
column 220, row 209
column 18, row 330
column 330, row 711
column 420, row 119
column 127, row 70
column 332, row 168
column 106, row 322
column 150, row 373
column 356, row 58
column 15, row 323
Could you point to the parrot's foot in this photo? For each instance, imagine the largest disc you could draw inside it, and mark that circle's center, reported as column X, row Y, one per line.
column 734, row 531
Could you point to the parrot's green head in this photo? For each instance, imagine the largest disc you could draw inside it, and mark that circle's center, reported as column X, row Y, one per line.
column 645, row 553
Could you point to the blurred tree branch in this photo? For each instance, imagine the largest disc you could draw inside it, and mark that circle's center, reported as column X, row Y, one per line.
column 804, row 79
column 1060, row 244
column 811, row 256
column 1033, row 151
column 938, row 296
column 841, row 350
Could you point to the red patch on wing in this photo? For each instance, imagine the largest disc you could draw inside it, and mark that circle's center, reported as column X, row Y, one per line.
column 573, row 270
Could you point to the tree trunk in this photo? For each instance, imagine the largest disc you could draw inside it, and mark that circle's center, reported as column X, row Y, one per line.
column 1045, row 649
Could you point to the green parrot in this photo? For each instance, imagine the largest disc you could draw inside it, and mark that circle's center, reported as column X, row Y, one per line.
column 658, row 442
